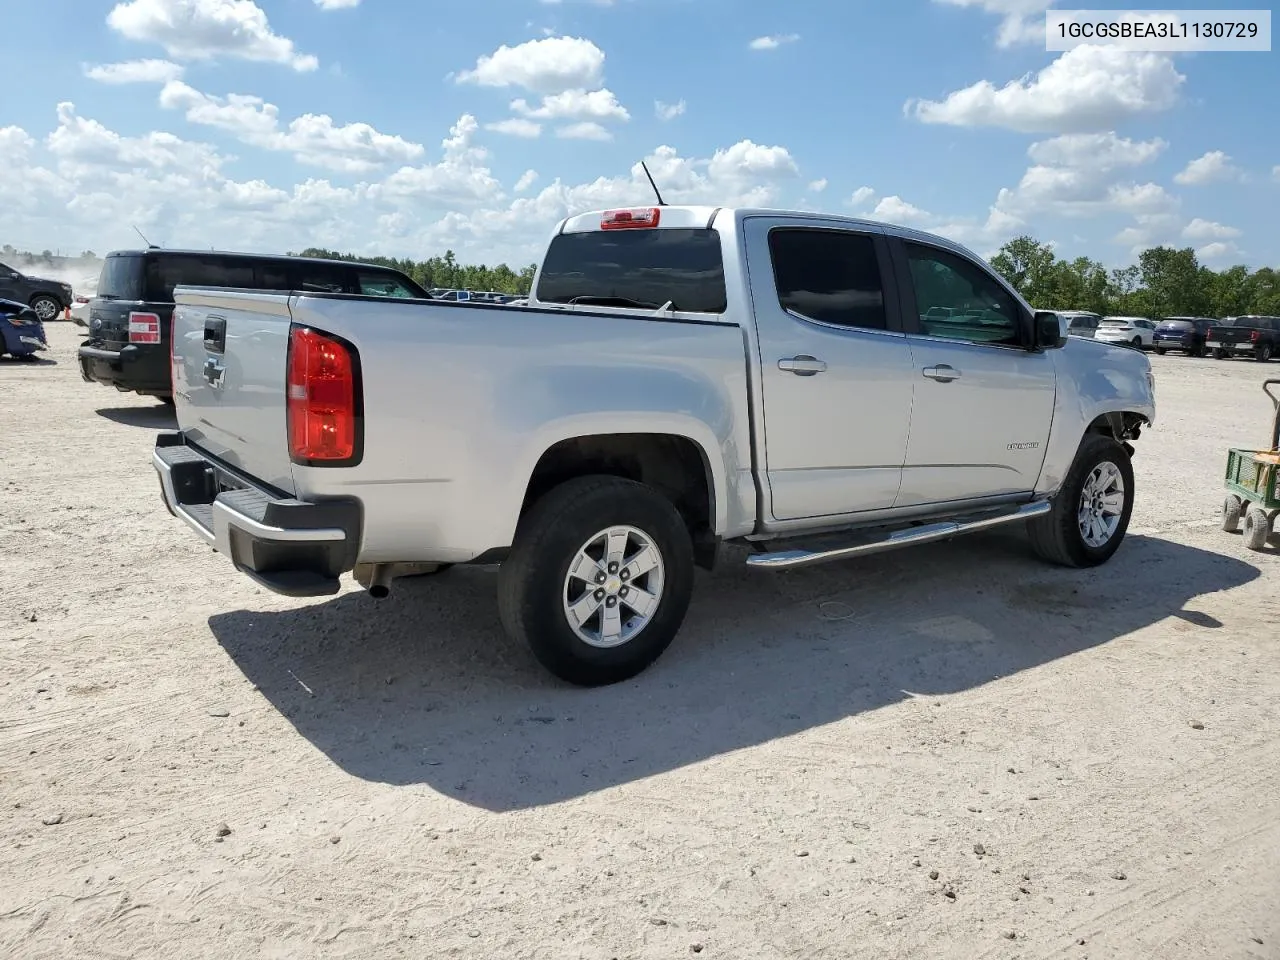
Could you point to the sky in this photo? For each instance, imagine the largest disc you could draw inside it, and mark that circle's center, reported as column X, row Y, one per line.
column 406, row 128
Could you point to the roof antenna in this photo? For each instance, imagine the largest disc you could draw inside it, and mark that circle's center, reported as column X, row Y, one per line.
column 652, row 184
column 150, row 245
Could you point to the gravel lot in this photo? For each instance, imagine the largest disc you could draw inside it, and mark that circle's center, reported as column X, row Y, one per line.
column 948, row 752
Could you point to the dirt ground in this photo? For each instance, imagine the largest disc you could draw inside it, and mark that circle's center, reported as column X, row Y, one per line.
column 948, row 752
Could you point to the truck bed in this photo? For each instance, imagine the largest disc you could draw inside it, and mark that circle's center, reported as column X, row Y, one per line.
column 458, row 403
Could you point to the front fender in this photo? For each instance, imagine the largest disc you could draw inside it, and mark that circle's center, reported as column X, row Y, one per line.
column 1094, row 379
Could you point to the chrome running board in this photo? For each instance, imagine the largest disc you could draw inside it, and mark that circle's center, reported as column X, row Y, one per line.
column 909, row 537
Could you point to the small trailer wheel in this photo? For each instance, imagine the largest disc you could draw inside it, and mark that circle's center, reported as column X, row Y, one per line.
column 1231, row 511
column 1257, row 527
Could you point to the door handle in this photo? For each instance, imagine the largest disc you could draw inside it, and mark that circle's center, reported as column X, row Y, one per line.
column 943, row 373
column 802, row 366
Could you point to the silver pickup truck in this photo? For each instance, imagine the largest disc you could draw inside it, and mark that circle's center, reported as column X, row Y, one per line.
column 813, row 387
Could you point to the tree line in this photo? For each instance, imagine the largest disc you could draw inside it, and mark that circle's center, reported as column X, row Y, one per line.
column 1165, row 282
column 444, row 271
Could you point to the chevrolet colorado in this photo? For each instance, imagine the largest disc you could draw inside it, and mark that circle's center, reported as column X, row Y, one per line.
column 811, row 386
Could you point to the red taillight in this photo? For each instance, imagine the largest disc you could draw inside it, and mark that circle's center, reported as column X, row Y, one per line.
column 1255, row 335
column 321, row 398
column 144, row 328
column 82, row 299
column 642, row 219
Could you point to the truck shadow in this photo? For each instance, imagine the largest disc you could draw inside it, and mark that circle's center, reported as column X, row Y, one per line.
column 424, row 688
column 159, row 417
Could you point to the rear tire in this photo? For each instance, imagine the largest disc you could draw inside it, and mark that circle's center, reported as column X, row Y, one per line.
column 1263, row 353
column 1091, row 512
column 1231, row 510
column 1219, row 354
column 1161, row 351
column 1136, row 343
column 1257, row 527
column 539, row 583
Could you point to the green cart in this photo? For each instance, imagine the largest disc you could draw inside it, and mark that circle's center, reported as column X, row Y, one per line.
column 1253, row 482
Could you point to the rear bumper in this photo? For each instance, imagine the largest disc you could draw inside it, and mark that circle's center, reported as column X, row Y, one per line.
column 141, row 367
column 20, row 341
column 289, row 546
column 1244, row 346
column 1175, row 343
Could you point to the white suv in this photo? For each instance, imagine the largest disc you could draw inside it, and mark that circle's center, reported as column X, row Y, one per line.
column 1138, row 332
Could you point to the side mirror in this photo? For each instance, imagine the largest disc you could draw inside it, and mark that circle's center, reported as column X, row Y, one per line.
column 1051, row 330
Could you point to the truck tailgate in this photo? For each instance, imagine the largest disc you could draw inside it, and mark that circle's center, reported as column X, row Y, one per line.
column 230, row 352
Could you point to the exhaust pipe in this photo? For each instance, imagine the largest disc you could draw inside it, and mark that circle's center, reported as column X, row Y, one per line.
column 380, row 578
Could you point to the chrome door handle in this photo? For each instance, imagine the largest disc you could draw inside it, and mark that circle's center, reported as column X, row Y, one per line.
column 943, row 373
column 802, row 366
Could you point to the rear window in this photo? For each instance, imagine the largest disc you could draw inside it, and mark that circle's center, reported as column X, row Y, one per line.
column 121, row 278
column 1168, row 324
column 1116, row 323
column 636, row 267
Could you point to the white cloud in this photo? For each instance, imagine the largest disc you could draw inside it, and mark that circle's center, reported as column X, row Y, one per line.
column 459, row 178
column 817, row 186
column 1200, row 230
column 312, row 138
column 1217, row 251
column 668, row 111
column 862, row 196
column 1103, row 151
column 548, row 66
column 586, row 130
column 1087, row 88
column 896, row 210
column 574, row 105
column 1022, row 20
column 1275, row 172
column 773, row 42
column 516, row 127
column 1150, row 230
column 83, row 184
column 337, row 4
column 134, row 71
column 1213, row 166
column 206, row 30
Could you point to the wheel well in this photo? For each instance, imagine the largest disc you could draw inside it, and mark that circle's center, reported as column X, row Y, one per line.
column 672, row 464
column 46, row 294
column 1119, row 426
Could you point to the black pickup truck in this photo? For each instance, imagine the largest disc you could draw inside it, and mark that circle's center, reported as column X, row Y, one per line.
column 1247, row 336
column 130, row 317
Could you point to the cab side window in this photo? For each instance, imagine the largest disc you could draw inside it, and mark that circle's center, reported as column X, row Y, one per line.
column 958, row 301
column 377, row 284
column 831, row 276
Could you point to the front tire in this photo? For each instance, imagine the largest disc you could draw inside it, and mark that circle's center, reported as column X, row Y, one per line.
column 1091, row 512
column 46, row 308
column 599, row 579
column 1231, row 510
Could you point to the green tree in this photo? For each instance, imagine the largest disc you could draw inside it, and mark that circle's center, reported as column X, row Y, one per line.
column 1173, row 282
column 1029, row 266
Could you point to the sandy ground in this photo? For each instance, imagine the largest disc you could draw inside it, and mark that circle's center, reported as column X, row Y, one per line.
column 949, row 752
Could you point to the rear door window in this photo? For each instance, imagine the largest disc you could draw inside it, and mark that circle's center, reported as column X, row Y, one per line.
column 636, row 268
column 121, row 278
column 164, row 272
column 832, row 276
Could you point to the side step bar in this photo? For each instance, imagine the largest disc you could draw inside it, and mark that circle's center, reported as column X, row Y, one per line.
column 910, row 537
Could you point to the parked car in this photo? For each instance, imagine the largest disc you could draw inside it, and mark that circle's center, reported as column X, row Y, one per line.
column 681, row 377
column 1137, row 332
column 129, row 316
column 1081, row 323
column 83, row 296
column 22, row 334
column 1251, row 335
column 1181, row 333
column 47, row 298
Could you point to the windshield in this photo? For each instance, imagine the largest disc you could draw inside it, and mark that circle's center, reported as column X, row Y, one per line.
column 636, row 268
column 121, row 278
